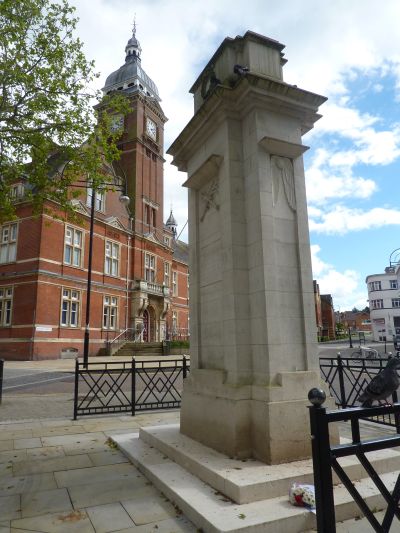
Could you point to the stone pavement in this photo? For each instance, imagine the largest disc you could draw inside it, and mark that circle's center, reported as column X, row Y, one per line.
column 66, row 476
column 59, row 475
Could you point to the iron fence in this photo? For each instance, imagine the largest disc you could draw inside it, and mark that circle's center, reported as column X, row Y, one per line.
column 347, row 378
column 128, row 386
column 158, row 384
column 325, row 459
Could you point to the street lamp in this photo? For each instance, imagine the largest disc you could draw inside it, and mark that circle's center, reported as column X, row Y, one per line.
column 124, row 199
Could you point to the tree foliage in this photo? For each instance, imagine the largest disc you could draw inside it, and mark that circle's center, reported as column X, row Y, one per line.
column 50, row 134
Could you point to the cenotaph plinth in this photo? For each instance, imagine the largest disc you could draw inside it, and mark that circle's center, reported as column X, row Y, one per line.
column 253, row 333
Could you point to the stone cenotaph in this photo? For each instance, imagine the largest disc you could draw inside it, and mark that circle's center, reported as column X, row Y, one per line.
column 252, row 319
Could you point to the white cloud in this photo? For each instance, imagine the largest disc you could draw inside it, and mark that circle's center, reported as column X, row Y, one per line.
column 343, row 286
column 341, row 219
column 325, row 183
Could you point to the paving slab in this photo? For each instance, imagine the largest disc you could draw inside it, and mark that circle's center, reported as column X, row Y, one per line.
column 5, row 527
column 12, row 456
column 108, row 457
column 96, row 474
column 109, row 517
column 45, row 452
column 45, row 501
column 150, row 509
column 58, row 430
column 9, row 434
column 69, row 440
column 172, row 525
column 51, row 464
column 111, row 424
column 26, row 484
column 5, row 470
column 123, row 431
column 21, row 444
column 93, row 494
column 10, row 507
column 6, row 445
column 64, row 522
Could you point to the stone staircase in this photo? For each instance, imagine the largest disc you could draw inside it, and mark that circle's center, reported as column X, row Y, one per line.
column 134, row 349
column 219, row 494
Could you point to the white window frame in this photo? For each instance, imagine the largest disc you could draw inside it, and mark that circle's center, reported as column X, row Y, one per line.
column 149, row 267
column 174, row 322
column 174, row 283
column 6, row 305
column 74, row 247
column 167, row 273
column 393, row 284
column 110, row 312
column 375, row 286
column 396, row 302
column 100, row 199
column 70, row 307
column 112, row 251
column 377, row 304
column 8, row 242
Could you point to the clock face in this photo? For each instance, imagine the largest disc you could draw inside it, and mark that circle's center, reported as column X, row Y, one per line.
column 151, row 129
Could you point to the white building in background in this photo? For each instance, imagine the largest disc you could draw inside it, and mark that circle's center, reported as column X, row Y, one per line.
column 384, row 302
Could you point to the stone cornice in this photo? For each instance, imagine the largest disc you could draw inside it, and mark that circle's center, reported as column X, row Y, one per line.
column 250, row 92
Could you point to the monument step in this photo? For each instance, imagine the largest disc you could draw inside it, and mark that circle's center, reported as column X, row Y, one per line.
column 213, row 512
column 361, row 525
column 250, row 480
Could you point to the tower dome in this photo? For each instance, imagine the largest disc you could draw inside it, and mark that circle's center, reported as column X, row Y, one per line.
column 131, row 77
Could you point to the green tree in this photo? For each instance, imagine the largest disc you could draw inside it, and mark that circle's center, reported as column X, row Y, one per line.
column 50, row 134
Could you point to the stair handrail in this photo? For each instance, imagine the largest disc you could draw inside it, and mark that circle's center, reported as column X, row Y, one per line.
column 128, row 334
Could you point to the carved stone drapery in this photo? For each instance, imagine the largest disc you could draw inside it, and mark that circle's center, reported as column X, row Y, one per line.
column 282, row 172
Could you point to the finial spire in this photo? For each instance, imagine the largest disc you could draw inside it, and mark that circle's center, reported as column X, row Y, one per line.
column 133, row 49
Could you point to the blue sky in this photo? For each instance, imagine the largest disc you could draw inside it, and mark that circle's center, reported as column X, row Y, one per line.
column 346, row 50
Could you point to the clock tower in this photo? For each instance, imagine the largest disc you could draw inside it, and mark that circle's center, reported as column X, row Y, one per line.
column 141, row 164
column 142, row 140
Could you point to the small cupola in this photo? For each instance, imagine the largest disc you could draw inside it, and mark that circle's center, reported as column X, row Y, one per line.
column 133, row 48
column 171, row 224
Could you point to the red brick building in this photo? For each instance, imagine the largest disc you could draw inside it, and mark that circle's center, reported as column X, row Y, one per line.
column 139, row 269
column 328, row 317
column 356, row 320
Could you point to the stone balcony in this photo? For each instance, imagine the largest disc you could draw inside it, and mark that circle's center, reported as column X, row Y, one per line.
column 150, row 287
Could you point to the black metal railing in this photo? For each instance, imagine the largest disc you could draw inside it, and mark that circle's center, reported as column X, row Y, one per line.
column 347, row 378
column 325, row 459
column 1, row 378
column 128, row 386
column 158, row 384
